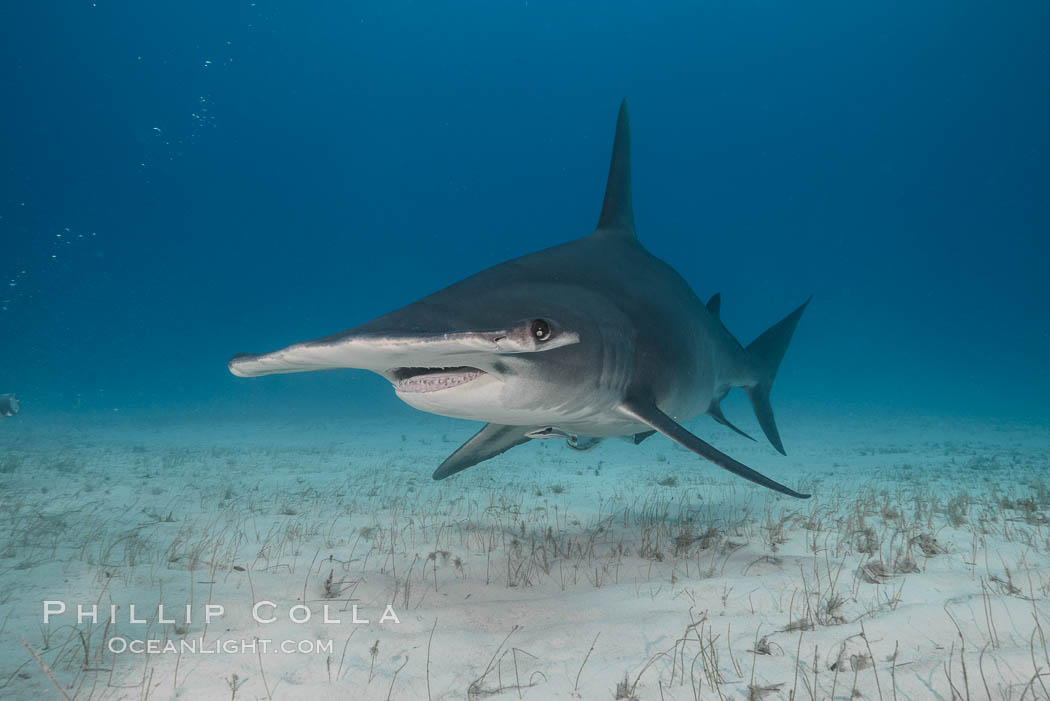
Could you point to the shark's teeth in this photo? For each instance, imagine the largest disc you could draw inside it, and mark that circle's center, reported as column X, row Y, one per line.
column 432, row 380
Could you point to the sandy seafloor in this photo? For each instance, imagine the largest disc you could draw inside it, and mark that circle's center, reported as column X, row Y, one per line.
column 919, row 569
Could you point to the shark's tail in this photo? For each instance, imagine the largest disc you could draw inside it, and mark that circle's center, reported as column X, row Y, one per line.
column 765, row 354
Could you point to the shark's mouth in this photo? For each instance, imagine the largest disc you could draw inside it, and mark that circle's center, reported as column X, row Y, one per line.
column 432, row 379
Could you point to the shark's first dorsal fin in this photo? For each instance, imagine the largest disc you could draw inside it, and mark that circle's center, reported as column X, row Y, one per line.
column 617, row 217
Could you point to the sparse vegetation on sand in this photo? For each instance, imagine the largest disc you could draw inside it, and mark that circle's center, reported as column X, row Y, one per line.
column 918, row 568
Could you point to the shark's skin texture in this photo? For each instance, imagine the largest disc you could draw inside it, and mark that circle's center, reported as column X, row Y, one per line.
column 9, row 405
column 593, row 338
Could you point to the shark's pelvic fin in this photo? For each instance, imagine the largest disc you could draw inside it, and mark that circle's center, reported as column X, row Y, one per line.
column 639, row 437
column 714, row 305
column 715, row 410
column 765, row 354
column 617, row 217
column 487, row 443
column 649, row 414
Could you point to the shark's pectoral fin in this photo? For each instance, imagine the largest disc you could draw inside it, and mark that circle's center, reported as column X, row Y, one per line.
column 486, row 443
column 649, row 414
column 715, row 412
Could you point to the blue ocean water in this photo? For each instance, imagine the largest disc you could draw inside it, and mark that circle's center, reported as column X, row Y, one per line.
column 183, row 181
column 187, row 180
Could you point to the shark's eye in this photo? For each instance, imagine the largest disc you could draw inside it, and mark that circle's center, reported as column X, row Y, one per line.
column 541, row 330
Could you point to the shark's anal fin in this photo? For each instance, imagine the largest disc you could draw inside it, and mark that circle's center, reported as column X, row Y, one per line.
column 715, row 410
column 486, row 443
column 649, row 414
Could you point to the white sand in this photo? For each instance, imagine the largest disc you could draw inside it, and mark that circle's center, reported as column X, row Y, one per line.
column 919, row 569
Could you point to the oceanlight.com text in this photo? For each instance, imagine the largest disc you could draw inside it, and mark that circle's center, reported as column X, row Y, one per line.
column 197, row 646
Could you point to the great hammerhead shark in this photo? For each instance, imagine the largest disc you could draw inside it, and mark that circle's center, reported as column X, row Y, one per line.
column 589, row 339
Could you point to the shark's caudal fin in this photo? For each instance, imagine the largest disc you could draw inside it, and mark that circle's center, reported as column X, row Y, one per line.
column 617, row 217
column 765, row 354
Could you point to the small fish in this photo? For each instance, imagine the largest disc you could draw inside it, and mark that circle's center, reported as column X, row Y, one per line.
column 8, row 405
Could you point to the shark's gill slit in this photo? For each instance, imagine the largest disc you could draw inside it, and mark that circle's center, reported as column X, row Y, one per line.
column 432, row 379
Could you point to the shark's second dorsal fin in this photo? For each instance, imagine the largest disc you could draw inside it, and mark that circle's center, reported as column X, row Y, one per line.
column 617, row 217
column 714, row 305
